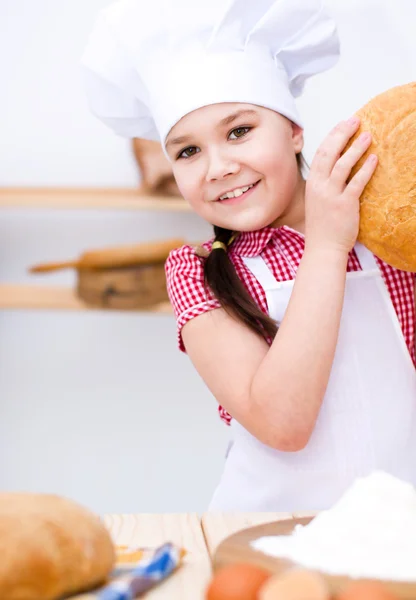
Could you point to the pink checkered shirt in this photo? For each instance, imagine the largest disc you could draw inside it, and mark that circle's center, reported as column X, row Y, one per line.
column 280, row 248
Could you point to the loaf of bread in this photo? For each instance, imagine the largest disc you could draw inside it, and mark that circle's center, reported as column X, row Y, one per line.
column 388, row 203
column 50, row 547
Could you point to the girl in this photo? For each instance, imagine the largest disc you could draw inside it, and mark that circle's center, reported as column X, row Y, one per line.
column 305, row 339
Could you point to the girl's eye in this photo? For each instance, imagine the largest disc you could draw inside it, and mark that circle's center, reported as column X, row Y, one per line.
column 188, row 152
column 239, row 132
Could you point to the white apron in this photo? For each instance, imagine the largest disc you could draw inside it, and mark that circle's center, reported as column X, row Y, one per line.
column 367, row 420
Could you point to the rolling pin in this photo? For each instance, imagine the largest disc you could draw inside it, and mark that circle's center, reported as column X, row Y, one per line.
column 117, row 256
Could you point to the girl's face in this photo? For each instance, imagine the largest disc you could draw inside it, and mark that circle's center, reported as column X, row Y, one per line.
column 236, row 165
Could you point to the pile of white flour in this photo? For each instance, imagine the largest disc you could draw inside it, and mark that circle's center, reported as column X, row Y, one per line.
column 370, row 532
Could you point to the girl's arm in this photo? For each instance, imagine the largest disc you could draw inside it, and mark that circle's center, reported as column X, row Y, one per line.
column 276, row 392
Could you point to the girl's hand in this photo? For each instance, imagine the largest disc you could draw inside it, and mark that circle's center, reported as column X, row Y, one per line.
column 332, row 207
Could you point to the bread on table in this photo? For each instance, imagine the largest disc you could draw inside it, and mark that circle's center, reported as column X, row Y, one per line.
column 50, row 547
column 388, row 203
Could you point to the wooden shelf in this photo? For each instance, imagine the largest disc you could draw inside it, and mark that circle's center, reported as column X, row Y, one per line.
column 31, row 297
column 88, row 198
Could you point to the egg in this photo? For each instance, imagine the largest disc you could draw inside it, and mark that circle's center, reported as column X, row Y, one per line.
column 295, row 584
column 366, row 590
column 239, row 581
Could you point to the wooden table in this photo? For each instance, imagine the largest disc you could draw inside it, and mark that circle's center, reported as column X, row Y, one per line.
column 199, row 535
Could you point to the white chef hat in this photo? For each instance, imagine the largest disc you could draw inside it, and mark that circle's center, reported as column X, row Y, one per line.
column 148, row 63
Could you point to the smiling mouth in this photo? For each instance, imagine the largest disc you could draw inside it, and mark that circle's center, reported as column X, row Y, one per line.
column 238, row 192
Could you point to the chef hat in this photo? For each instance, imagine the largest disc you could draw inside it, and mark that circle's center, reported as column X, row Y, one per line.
column 149, row 63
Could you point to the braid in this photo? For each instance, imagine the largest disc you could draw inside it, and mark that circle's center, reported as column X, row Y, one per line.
column 222, row 279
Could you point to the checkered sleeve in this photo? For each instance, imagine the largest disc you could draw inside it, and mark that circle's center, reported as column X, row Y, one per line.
column 185, row 284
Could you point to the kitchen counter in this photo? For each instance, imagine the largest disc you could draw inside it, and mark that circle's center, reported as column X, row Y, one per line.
column 198, row 534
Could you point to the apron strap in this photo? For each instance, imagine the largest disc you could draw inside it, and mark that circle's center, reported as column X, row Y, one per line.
column 366, row 258
column 265, row 277
column 261, row 272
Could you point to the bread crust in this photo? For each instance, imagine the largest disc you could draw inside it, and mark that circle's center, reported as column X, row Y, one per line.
column 388, row 203
column 50, row 547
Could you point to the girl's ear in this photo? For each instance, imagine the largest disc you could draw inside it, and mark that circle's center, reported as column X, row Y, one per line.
column 297, row 138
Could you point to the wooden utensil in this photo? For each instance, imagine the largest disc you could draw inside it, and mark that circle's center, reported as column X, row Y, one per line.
column 117, row 256
column 123, row 288
column 237, row 548
column 130, row 277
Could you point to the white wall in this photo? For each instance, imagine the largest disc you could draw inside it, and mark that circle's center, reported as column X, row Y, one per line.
column 48, row 135
column 97, row 406
column 378, row 51
column 100, row 406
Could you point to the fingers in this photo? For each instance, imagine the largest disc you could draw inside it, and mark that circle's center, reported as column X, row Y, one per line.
column 343, row 166
column 357, row 184
column 330, row 150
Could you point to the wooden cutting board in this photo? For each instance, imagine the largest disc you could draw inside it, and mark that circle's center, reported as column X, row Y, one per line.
column 237, row 548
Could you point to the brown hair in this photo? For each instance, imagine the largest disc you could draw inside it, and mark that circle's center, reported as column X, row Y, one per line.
column 221, row 278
